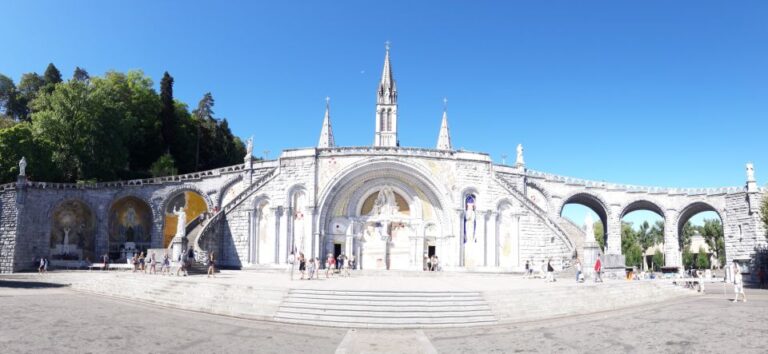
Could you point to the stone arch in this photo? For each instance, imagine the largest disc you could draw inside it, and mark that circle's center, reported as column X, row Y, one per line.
column 129, row 223
column 262, row 234
column 179, row 197
column 690, row 210
column 367, row 189
column 642, row 204
column 299, row 236
column 73, row 231
column 381, row 167
column 339, row 203
column 591, row 201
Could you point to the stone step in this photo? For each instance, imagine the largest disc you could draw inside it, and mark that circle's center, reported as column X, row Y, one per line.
column 384, row 303
column 389, row 298
column 356, row 307
column 385, row 313
column 385, row 293
column 386, row 320
column 384, row 325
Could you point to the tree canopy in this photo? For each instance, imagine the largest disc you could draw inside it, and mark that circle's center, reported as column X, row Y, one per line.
column 114, row 126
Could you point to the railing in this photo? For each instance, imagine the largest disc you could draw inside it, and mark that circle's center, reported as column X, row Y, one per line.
column 139, row 182
column 410, row 151
column 536, row 209
column 629, row 187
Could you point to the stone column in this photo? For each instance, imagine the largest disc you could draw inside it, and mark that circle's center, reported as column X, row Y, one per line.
column 489, row 239
column 280, row 226
column 613, row 243
column 459, row 230
column 672, row 255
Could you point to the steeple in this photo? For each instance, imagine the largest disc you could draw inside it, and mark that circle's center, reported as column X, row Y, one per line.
column 326, row 133
column 386, row 106
column 444, row 138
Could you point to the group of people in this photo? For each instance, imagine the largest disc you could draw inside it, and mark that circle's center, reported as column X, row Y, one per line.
column 431, row 263
column 185, row 260
column 340, row 264
column 547, row 270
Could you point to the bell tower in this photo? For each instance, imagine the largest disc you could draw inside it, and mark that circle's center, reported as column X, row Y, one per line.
column 386, row 107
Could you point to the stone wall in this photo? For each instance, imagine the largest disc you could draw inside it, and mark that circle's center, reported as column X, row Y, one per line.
column 8, row 215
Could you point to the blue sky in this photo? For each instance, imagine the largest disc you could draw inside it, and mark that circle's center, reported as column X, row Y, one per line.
column 669, row 93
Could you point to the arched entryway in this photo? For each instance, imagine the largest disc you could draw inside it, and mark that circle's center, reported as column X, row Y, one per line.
column 379, row 211
column 700, row 236
column 130, row 226
column 642, row 235
column 72, row 235
column 581, row 208
column 192, row 204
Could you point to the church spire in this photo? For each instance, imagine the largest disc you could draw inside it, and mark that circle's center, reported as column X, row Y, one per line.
column 326, row 133
column 444, row 138
column 386, row 106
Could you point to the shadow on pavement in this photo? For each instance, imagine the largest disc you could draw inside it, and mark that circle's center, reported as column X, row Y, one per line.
column 23, row 284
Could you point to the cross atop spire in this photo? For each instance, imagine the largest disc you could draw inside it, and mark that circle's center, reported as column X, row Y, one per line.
column 387, row 93
column 326, row 133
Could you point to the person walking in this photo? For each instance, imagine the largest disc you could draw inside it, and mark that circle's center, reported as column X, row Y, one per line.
column 598, row 270
column 165, row 268
column 152, row 263
column 41, row 268
column 738, row 283
column 311, row 269
column 211, row 266
column 135, row 262
column 578, row 270
column 550, row 271
column 330, row 265
column 527, row 269
column 302, row 264
column 141, row 262
column 182, row 260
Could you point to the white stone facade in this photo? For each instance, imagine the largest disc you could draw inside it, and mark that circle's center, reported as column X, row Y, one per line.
column 387, row 205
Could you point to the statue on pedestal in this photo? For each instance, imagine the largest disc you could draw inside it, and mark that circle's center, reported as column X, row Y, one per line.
column 181, row 224
column 249, row 147
column 519, row 161
column 750, row 172
column 65, row 242
column 23, row 166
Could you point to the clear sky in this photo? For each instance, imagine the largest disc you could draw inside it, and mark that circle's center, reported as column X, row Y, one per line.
column 667, row 93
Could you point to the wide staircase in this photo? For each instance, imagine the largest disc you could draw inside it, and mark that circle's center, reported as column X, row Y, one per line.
column 385, row 309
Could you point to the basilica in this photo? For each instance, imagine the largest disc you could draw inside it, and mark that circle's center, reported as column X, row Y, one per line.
column 389, row 206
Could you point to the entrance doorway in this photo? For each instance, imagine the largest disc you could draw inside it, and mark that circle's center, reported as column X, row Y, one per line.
column 431, row 251
column 336, row 250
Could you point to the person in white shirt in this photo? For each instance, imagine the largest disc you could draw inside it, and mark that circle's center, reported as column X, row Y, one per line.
column 738, row 283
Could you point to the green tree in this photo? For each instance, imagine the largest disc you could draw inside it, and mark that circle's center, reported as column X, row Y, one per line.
column 599, row 234
column 658, row 260
column 687, row 258
column 164, row 166
column 702, row 259
column 80, row 74
column 51, row 77
column 18, row 141
column 77, row 121
column 28, row 89
column 168, row 113
column 712, row 231
column 8, row 97
column 630, row 246
column 764, row 214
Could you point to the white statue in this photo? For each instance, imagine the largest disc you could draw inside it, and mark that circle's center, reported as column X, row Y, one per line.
column 181, row 224
column 519, row 160
column 589, row 228
column 469, row 224
column 23, row 166
column 385, row 203
column 249, row 147
column 65, row 243
column 750, row 172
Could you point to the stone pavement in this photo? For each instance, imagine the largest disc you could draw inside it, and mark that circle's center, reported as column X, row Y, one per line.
column 42, row 317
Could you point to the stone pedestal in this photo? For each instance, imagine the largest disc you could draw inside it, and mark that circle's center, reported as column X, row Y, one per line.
column 177, row 246
column 589, row 257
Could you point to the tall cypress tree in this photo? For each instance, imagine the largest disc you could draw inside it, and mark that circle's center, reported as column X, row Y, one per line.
column 52, row 75
column 167, row 114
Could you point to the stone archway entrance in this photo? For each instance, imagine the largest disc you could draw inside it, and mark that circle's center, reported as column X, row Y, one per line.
column 380, row 216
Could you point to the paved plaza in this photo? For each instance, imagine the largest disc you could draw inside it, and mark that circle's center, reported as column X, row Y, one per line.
column 42, row 316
